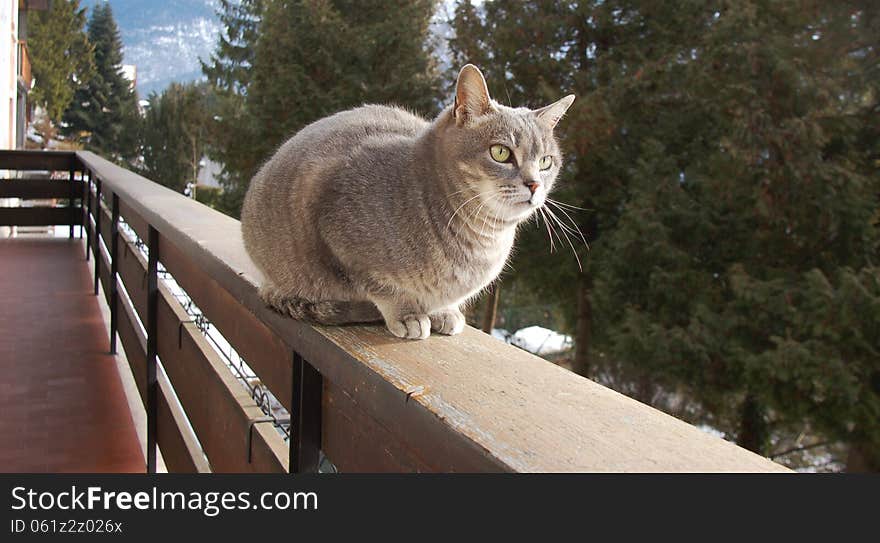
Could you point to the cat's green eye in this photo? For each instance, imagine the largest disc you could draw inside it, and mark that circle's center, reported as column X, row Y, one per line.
column 499, row 153
column 545, row 162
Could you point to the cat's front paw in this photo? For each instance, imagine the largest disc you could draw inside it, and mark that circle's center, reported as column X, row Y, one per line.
column 447, row 321
column 412, row 326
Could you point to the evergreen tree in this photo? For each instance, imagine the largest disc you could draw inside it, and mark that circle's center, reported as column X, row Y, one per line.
column 727, row 153
column 231, row 63
column 749, row 215
column 532, row 53
column 104, row 112
column 174, row 132
column 229, row 75
column 313, row 58
column 62, row 59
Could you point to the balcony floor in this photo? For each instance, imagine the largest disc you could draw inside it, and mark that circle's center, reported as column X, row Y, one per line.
column 62, row 403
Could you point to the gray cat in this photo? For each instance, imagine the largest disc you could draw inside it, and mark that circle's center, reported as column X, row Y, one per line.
column 377, row 214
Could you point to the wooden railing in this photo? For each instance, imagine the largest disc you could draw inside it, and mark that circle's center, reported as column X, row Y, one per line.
column 43, row 186
column 366, row 400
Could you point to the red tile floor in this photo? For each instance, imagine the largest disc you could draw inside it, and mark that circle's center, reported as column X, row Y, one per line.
column 62, row 404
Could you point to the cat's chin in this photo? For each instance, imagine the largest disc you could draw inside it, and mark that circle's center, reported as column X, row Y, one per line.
column 521, row 211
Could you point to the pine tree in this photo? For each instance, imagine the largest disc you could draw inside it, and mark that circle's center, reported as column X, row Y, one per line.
column 174, row 133
column 310, row 59
column 231, row 63
column 62, row 58
column 229, row 75
column 104, row 112
column 749, row 218
column 314, row 58
column 727, row 156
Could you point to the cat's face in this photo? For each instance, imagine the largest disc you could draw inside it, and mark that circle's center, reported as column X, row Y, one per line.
column 507, row 156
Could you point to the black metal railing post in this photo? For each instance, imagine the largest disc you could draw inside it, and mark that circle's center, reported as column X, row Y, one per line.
column 114, row 267
column 305, row 421
column 88, row 214
column 152, row 329
column 72, row 192
column 97, row 247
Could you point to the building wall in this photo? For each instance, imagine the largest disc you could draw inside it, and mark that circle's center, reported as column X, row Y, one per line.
column 209, row 173
column 8, row 75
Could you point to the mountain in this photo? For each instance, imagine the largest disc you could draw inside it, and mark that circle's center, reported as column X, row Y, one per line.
column 165, row 38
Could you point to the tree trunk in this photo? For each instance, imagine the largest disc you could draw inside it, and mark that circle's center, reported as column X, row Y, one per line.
column 862, row 458
column 644, row 389
column 583, row 330
column 491, row 310
column 753, row 431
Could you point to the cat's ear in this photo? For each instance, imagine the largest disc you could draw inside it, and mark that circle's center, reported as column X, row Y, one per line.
column 550, row 115
column 471, row 95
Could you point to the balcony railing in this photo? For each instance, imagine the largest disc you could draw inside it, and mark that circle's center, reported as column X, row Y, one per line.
column 358, row 396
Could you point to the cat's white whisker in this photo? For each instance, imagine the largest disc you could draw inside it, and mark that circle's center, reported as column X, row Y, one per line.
column 454, row 213
column 551, row 226
column 573, row 223
column 557, row 202
column 564, row 225
column 491, row 194
column 466, row 189
column 570, row 244
column 547, row 226
column 555, row 231
column 485, row 219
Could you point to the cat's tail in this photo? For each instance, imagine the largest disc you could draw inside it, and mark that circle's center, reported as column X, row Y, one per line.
column 322, row 312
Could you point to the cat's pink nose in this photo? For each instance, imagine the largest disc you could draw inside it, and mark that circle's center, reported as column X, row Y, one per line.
column 533, row 186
